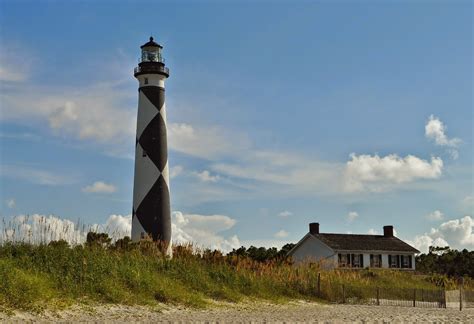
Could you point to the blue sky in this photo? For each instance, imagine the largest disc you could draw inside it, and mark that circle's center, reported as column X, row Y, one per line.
column 353, row 114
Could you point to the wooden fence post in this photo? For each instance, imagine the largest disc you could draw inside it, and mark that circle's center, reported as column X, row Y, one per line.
column 461, row 287
column 319, row 284
column 444, row 298
column 414, row 297
column 343, row 294
column 378, row 296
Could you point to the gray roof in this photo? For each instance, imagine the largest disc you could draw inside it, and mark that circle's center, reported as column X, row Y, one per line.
column 359, row 242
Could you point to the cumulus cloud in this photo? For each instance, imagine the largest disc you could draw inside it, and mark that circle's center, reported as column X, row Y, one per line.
column 118, row 226
column 372, row 231
column 285, row 213
column 435, row 130
column 456, row 233
column 374, row 173
column 281, row 234
column 351, row 216
column 204, row 231
column 205, row 176
column 423, row 242
column 100, row 187
column 10, row 203
column 435, row 216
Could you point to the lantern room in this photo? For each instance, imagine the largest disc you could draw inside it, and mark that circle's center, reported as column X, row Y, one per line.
column 151, row 52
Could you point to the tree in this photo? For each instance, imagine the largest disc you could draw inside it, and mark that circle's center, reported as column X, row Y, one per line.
column 443, row 260
column 98, row 239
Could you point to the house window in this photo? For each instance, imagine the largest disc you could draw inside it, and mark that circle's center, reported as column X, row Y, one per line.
column 344, row 260
column 394, row 261
column 146, row 80
column 375, row 260
column 406, row 261
column 357, row 260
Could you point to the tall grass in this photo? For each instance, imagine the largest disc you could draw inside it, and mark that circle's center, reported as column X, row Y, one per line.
column 39, row 269
column 55, row 274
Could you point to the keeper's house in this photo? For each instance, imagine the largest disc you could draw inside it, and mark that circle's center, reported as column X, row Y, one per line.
column 354, row 250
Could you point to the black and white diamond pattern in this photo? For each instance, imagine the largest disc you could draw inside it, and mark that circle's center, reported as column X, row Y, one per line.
column 151, row 194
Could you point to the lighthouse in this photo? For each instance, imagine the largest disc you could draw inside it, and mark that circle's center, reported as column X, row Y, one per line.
column 151, row 217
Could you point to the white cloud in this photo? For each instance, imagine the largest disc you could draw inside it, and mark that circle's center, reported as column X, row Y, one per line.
column 423, row 242
column 297, row 173
column 205, row 176
column 205, row 142
column 100, row 187
column 118, row 226
column 457, row 233
column 285, row 213
column 435, row 130
column 281, row 234
column 468, row 200
column 352, row 216
column 204, row 231
column 176, row 171
column 372, row 231
column 10, row 203
column 435, row 216
column 97, row 112
column 374, row 173
column 36, row 176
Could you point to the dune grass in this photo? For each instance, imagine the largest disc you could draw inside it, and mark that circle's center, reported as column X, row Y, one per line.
column 35, row 277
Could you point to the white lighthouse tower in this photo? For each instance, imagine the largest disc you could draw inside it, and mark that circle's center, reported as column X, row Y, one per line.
column 151, row 194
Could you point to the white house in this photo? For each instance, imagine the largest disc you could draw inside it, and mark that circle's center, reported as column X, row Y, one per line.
column 354, row 250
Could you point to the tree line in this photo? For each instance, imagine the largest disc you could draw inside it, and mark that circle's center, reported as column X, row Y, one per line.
column 446, row 261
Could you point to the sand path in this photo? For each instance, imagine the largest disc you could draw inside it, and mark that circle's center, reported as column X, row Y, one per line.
column 251, row 313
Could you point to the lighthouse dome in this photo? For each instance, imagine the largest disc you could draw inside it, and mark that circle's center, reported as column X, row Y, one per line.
column 151, row 43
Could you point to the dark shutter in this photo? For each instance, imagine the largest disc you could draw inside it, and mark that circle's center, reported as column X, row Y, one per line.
column 361, row 256
column 410, row 261
column 398, row 261
column 380, row 260
column 389, row 261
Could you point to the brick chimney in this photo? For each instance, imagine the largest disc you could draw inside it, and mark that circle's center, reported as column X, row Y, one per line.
column 388, row 231
column 314, row 228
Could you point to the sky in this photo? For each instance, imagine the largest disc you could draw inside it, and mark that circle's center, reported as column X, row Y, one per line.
column 353, row 114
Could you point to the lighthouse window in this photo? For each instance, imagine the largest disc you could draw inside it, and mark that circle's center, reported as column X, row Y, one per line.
column 144, row 153
column 146, row 80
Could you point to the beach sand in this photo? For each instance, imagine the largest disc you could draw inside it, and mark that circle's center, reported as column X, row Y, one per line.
column 257, row 312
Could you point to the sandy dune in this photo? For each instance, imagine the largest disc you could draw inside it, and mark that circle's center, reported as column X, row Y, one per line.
column 252, row 313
